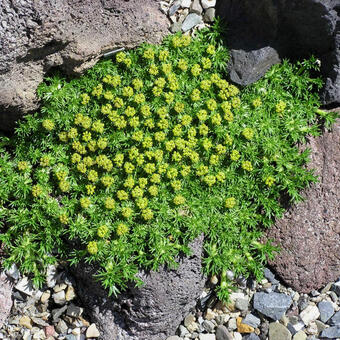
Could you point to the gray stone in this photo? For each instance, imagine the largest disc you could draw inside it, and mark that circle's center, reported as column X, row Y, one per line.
column 183, row 331
column 191, row 21
column 300, row 336
column 152, row 311
column 336, row 288
column 186, row 3
column 51, row 276
column 196, row 7
column 326, row 310
column 208, row 3
column 232, row 324
column 175, row 27
column 209, row 15
column 208, row 326
column 13, row 272
column 303, row 302
column 61, row 327
column 59, row 298
column 311, row 313
column 278, row 331
column 251, row 336
column 331, row 332
column 25, row 286
column 207, row 337
column 246, row 67
column 270, row 276
column 174, row 7
column 320, row 326
column 294, row 29
column 40, row 35
column 74, row 311
column 333, row 296
column 5, row 298
column 295, row 327
column 273, row 305
column 222, row 333
column 251, row 320
column 173, row 337
column 242, row 304
column 56, row 313
column 335, row 320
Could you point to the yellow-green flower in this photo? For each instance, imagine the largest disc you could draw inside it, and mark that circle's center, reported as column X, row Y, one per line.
column 137, row 84
column 179, row 200
column 157, row 91
column 236, row 102
column 139, row 98
column 172, row 173
column 90, row 189
column 142, row 181
column 122, row 195
column 207, row 144
column 182, row 65
column 202, row 170
column 257, row 102
column 153, row 190
column 248, row 133
column 137, row 192
column 97, row 91
column 176, row 184
column 98, row 126
column 160, row 82
column 37, row 190
column 107, row 181
column 220, row 176
column 211, row 104
column 22, row 165
column 206, row 63
column 85, row 202
column 122, row 229
column 234, row 155
column 137, row 136
column 63, row 136
column 93, row 176
column 109, row 203
column 81, row 167
column 85, row 98
column 153, row 69
column 280, row 106
column 63, row 218
column 270, row 181
column 127, row 212
column 221, row 149
column 210, row 180
column 196, row 70
column 147, row 214
column 149, row 54
column 48, row 124
column 88, row 161
column 86, row 122
column 108, row 95
column 120, row 56
column 127, row 91
column 64, row 186
column 147, row 142
column 72, row 133
column 118, row 102
column 163, row 55
column 230, row 202
column 127, row 62
column 211, row 49
column 186, row 169
column 216, row 119
column 228, row 140
column 214, row 159
column 129, row 182
column 92, row 247
column 176, row 156
column 169, row 97
column 166, row 68
column 86, row 136
column 103, row 231
column 45, row 161
column 246, row 165
column 195, row 95
column 205, row 85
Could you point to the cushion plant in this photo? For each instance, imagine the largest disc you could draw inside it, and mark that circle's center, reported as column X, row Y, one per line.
column 127, row 164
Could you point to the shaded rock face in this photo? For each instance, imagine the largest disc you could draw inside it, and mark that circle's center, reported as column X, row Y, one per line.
column 151, row 312
column 294, row 29
column 5, row 298
column 309, row 232
column 38, row 35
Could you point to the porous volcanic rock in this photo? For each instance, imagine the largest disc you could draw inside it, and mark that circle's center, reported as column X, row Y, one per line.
column 295, row 29
column 5, row 297
column 309, row 232
column 151, row 312
column 37, row 35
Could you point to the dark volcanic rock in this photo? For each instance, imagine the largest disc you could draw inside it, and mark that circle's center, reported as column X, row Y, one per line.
column 294, row 29
column 151, row 312
column 309, row 232
column 38, row 35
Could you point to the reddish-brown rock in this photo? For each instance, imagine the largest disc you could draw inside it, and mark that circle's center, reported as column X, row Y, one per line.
column 309, row 232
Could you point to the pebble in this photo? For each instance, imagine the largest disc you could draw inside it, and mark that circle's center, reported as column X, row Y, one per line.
column 196, row 7
column 335, row 320
column 278, row 332
column 242, row 304
column 59, row 298
column 45, row 296
column 251, row 320
column 222, row 333
column 326, row 310
column 208, row 3
column 336, row 288
column 243, row 328
column 92, row 331
column 25, row 286
column 26, row 322
column 331, row 332
column 191, row 21
column 300, row 336
column 311, row 313
column 209, row 15
column 13, row 272
column 273, row 305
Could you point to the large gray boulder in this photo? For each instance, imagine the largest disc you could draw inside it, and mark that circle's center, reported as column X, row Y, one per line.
column 294, row 29
column 151, row 312
column 37, row 35
column 309, row 232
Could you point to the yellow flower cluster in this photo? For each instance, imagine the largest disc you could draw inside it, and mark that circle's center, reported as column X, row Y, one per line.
column 22, row 165
column 230, row 202
column 92, row 247
column 37, row 190
column 103, row 231
column 280, row 106
column 248, row 133
column 270, row 181
column 246, row 165
column 48, row 124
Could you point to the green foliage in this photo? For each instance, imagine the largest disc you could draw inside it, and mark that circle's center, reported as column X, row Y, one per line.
column 129, row 163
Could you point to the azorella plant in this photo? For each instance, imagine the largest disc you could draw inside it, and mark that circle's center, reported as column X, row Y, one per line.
column 129, row 163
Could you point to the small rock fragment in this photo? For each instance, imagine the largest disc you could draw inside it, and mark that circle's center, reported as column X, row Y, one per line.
column 13, row 272
column 208, row 3
column 59, row 298
column 251, row 320
column 92, row 332
column 242, row 304
column 51, row 276
column 326, row 310
column 278, row 332
column 243, row 328
column 196, row 7
column 26, row 322
column 207, row 337
column 45, row 296
column 335, row 320
column 222, row 333
column 191, row 21
column 25, row 286
column 331, row 332
column 311, row 313
column 209, row 15
column 336, row 288
column 74, row 311
column 300, row 335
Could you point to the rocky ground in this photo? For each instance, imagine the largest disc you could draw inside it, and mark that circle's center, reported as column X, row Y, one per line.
column 265, row 310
